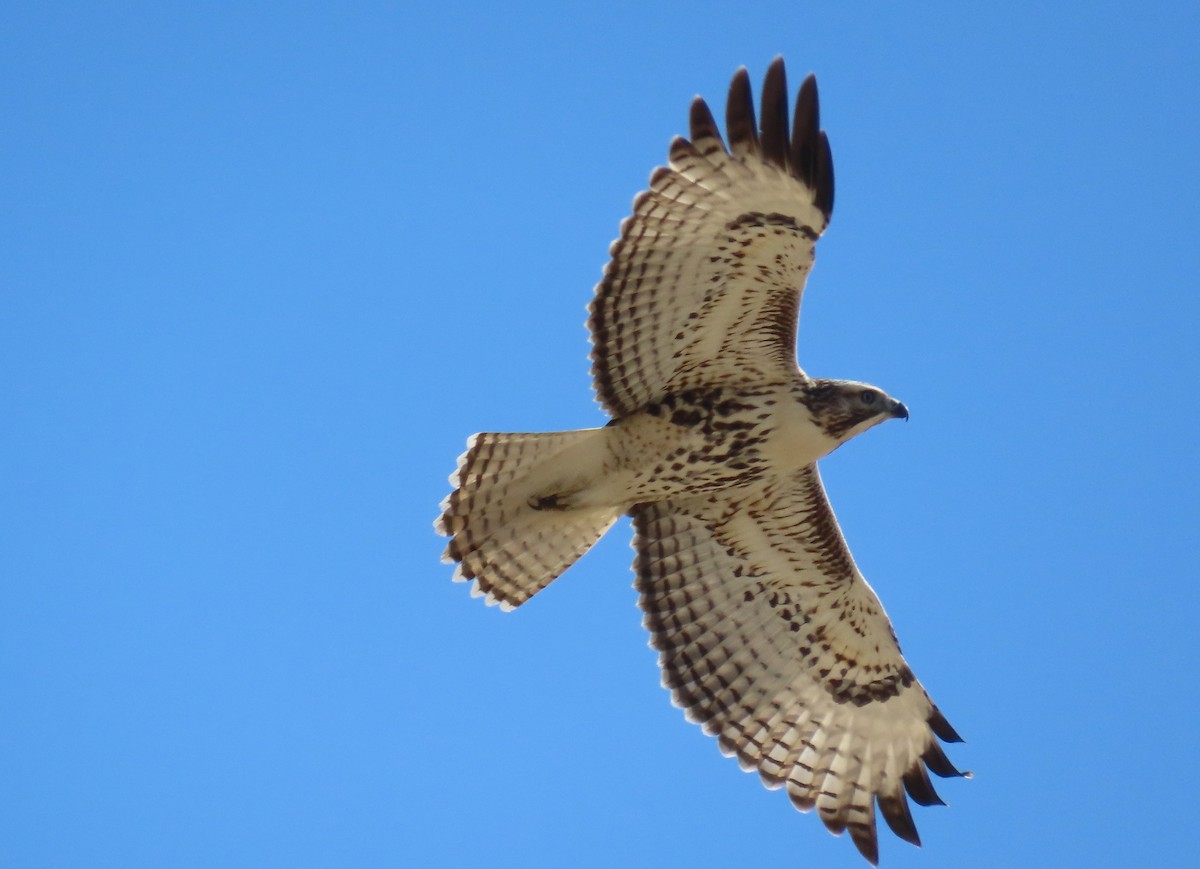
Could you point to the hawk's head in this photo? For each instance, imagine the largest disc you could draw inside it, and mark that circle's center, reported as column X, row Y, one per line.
column 845, row 408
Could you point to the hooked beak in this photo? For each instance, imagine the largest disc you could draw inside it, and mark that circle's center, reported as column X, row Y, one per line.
column 899, row 411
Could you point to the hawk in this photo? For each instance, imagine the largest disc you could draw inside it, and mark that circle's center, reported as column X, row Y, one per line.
column 768, row 635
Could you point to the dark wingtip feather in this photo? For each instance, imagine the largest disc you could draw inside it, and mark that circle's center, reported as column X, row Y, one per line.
column 940, row 726
column 939, row 764
column 703, row 125
column 775, row 147
column 740, row 126
column 898, row 816
column 810, row 155
column 920, row 788
column 806, row 127
column 864, row 838
column 823, row 197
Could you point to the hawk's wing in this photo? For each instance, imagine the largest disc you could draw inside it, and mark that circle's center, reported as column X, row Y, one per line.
column 704, row 283
column 770, row 638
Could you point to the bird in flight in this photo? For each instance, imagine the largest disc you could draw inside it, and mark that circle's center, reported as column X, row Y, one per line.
column 768, row 635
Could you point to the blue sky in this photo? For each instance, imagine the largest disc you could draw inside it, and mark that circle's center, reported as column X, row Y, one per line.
column 263, row 268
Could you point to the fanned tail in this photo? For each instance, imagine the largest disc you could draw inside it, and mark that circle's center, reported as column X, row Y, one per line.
column 511, row 525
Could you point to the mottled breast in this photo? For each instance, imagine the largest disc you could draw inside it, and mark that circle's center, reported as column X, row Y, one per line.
column 702, row 439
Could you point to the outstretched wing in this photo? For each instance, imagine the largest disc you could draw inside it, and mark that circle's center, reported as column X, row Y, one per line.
column 704, row 284
column 770, row 638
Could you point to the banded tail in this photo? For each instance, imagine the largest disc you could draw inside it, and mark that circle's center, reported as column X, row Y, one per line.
column 510, row 519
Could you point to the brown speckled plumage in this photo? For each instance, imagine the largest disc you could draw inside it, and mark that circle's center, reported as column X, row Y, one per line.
column 768, row 635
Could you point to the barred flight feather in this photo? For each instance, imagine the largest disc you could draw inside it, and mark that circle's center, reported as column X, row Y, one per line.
column 683, row 298
column 755, row 652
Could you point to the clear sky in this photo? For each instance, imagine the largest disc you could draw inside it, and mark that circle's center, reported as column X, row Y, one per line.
column 263, row 268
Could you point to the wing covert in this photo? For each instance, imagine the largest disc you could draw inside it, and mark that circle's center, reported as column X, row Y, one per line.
column 703, row 285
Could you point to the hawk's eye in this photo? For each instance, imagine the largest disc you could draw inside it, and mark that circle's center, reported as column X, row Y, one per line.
column 869, row 396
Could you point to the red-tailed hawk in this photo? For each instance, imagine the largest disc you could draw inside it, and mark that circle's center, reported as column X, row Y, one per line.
column 768, row 635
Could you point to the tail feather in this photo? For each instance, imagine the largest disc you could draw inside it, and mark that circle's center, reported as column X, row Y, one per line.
column 508, row 533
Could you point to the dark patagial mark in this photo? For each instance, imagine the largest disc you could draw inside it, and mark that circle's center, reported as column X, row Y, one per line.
column 687, row 417
column 876, row 691
column 753, row 219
